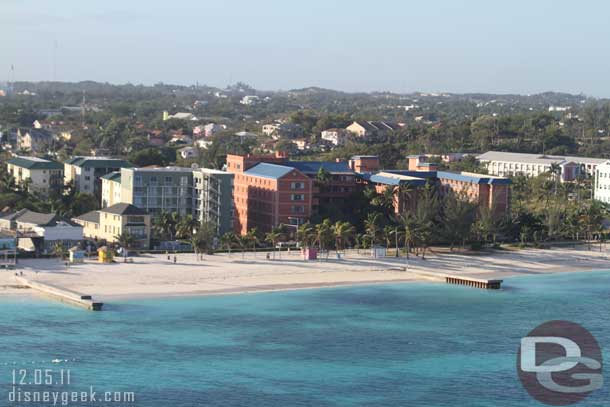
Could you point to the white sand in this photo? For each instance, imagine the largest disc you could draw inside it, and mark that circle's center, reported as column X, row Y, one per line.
column 154, row 275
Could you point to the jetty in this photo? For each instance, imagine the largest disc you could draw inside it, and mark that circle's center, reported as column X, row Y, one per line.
column 483, row 283
column 62, row 294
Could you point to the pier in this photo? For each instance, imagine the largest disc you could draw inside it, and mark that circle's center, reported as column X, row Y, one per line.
column 461, row 280
column 62, row 294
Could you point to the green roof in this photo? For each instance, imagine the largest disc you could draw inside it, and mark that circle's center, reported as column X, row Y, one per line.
column 35, row 163
column 99, row 162
column 113, row 176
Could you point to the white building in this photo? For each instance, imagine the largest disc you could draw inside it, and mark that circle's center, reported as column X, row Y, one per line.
column 111, row 189
column 601, row 187
column 86, row 172
column 249, row 100
column 188, row 152
column 335, row 136
column 506, row 164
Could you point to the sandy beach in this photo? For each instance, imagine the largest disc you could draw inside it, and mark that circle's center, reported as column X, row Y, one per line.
column 153, row 275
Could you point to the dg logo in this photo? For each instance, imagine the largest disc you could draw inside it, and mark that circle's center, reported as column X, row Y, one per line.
column 560, row 363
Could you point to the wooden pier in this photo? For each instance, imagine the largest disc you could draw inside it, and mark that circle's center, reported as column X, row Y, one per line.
column 62, row 294
column 461, row 280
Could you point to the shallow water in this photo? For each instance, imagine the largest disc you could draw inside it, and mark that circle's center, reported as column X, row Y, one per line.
column 414, row 344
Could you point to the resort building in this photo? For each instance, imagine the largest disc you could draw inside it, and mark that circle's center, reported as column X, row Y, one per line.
column 267, row 194
column 601, row 186
column 531, row 165
column 488, row 191
column 106, row 225
column 213, row 198
column 111, row 189
column 158, row 189
column 8, row 249
column 86, row 172
column 40, row 175
column 40, row 232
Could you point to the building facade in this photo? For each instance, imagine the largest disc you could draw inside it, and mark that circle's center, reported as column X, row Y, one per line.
column 111, row 189
column 213, row 199
column 158, row 189
column 41, row 176
column 106, row 225
column 531, row 165
column 601, row 186
column 85, row 173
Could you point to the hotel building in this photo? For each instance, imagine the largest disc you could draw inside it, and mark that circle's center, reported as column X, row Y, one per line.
column 86, row 172
column 44, row 176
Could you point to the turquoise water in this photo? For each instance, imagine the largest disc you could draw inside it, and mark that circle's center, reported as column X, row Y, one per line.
column 401, row 345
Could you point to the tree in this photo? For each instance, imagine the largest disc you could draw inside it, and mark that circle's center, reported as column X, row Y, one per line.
column 409, row 227
column 227, row 240
column 458, row 216
column 591, row 219
column 252, row 238
column 59, row 250
column 274, row 237
column 372, row 226
column 165, row 224
column 126, row 240
column 185, row 226
column 306, row 235
column 324, row 235
column 343, row 232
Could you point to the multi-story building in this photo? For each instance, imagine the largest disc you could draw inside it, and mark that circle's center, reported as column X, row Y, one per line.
column 488, row 191
column 601, row 187
column 86, row 172
column 507, row 164
column 41, row 176
column 111, row 189
column 34, row 140
column 267, row 194
column 158, row 189
column 106, row 225
column 213, row 198
column 270, row 189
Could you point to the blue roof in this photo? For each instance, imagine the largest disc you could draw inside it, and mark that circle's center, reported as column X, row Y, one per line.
column 416, row 174
column 475, row 179
column 267, row 170
column 312, row 167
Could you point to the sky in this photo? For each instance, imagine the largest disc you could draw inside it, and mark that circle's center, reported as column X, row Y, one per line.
column 459, row 46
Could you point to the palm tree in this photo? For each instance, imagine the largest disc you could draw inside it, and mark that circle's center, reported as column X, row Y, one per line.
column 165, row 225
column 555, row 171
column 252, row 238
column 125, row 239
column 186, row 226
column 58, row 250
column 372, row 227
column 409, row 227
column 227, row 240
column 243, row 242
column 306, row 235
column 324, row 235
column 343, row 232
column 273, row 237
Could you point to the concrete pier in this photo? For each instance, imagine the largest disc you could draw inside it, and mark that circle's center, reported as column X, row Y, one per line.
column 62, row 294
column 462, row 280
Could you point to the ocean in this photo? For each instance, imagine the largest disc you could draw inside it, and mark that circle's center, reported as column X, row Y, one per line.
column 414, row 344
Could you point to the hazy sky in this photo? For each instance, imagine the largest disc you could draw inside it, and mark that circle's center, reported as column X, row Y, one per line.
column 508, row 46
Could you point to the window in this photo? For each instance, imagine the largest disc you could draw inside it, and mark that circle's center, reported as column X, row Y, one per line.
column 297, row 197
column 297, row 185
column 168, row 180
column 298, row 209
column 137, row 180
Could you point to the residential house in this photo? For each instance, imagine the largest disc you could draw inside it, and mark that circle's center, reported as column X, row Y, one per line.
column 249, row 100
column 188, row 152
column 40, row 232
column 107, row 224
column 34, row 140
column 363, row 129
column 336, row 136
column 42, row 176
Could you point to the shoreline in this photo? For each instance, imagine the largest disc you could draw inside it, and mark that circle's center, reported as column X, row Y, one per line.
column 152, row 276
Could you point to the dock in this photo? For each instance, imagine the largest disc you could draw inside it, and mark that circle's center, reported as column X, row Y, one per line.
column 462, row 280
column 62, row 294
